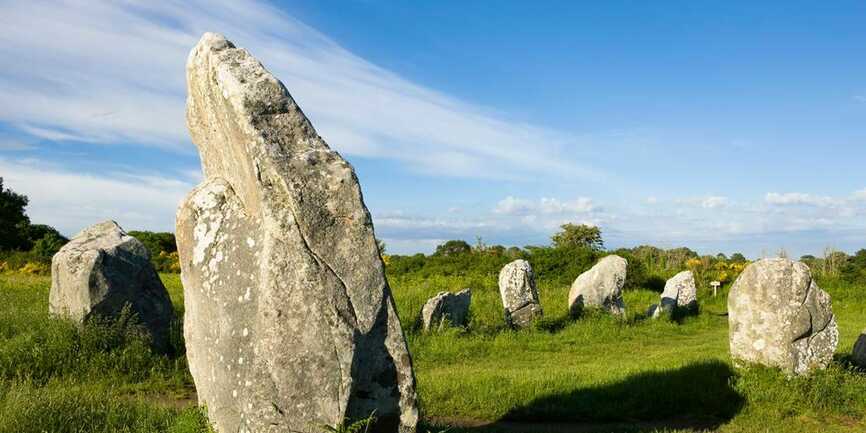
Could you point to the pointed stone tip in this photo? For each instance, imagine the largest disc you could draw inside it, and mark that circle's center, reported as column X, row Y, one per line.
column 214, row 41
column 209, row 42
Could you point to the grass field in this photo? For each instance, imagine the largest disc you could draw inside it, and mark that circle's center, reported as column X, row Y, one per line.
column 593, row 374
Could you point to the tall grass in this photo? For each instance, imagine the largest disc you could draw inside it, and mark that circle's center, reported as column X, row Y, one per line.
column 57, row 376
column 638, row 373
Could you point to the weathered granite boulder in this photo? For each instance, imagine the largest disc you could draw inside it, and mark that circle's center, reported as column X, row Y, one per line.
column 600, row 287
column 101, row 271
column 680, row 294
column 779, row 317
column 519, row 295
column 452, row 308
column 290, row 323
column 860, row 350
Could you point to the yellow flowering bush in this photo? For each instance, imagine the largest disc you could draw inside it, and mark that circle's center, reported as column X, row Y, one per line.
column 166, row 262
column 35, row 268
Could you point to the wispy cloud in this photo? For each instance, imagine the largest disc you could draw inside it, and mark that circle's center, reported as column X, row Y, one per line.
column 546, row 205
column 114, row 72
column 706, row 202
column 798, row 198
column 71, row 200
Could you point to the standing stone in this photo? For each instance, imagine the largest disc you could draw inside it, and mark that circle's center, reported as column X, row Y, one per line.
column 101, row 271
column 680, row 293
column 779, row 317
column 600, row 287
column 446, row 306
column 290, row 323
column 860, row 350
column 519, row 295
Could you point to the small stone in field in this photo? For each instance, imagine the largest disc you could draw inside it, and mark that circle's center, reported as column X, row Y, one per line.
column 101, row 271
column 680, row 294
column 519, row 294
column 860, row 350
column 600, row 287
column 446, row 307
column 779, row 317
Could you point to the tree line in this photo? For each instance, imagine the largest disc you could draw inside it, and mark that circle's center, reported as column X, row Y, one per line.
column 572, row 250
column 28, row 247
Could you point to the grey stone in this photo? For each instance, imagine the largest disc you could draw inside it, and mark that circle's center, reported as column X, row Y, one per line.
column 779, row 317
column 519, row 294
column 446, row 307
column 680, row 293
column 859, row 353
column 600, row 287
column 101, row 271
column 290, row 323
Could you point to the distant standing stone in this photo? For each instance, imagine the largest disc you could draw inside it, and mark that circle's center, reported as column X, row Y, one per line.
column 290, row 323
column 101, row 270
column 779, row 317
column 452, row 308
column 600, row 287
column 680, row 293
column 860, row 350
column 519, row 294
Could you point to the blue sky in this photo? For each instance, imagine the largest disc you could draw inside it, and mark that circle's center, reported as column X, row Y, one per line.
column 722, row 126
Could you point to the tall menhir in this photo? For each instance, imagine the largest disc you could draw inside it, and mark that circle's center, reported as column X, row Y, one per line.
column 290, row 323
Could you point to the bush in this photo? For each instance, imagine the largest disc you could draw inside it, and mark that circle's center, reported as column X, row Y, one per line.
column 35, row 268
column 166, row 262
column 452, row 248
column 48, row 245
column 561, row 265
column 162, row 247
column 15, row 261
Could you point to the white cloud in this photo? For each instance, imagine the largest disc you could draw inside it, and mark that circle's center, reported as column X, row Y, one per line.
column 545, row 206
column 714, row 202
column 114, row 72
column 797, row 198
column 707, row 202
column 71, row 201
column 513, row 206
column 413, row 223
column 51, row 134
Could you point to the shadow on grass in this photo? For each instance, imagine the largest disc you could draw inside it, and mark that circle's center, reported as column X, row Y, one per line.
column 698, row 396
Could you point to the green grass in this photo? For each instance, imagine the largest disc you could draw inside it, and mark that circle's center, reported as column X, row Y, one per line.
column 58, row 377
column 597, row 373
column 631, row 374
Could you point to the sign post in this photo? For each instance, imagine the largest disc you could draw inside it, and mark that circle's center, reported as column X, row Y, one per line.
column 715, row 285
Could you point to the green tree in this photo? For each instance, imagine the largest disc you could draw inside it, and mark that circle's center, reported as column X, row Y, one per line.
column 452, row 247
column 36, row 232
column 573, row 235
column 156, row 242
column 49, row 244
column 738, row 258
column 854, row 269
column 14, row 223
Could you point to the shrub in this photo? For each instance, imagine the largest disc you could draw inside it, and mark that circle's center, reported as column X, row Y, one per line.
column 35, row 268
column 166, row 262
column 578, row 236
column 451, row 248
